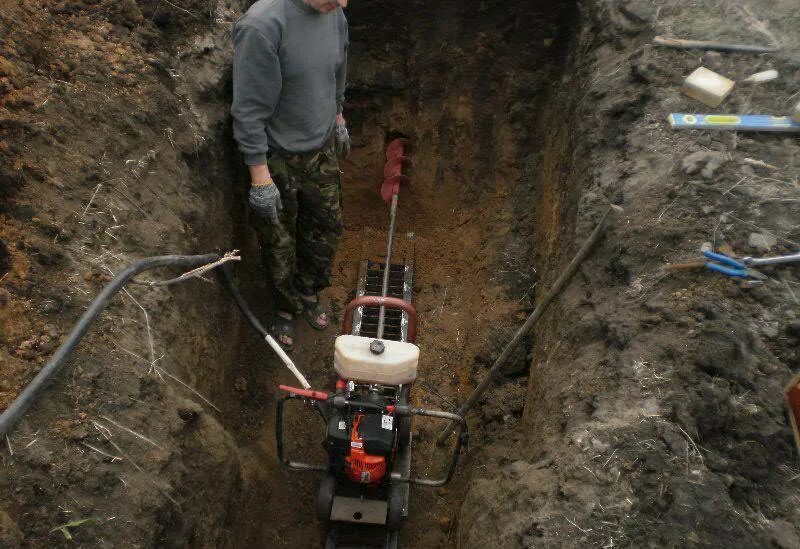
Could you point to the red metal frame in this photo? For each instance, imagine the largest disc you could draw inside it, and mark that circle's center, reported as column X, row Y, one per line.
column 378, row 301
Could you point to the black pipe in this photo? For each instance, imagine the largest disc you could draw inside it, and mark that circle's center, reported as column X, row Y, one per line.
column 227, row 280
column 12, row 414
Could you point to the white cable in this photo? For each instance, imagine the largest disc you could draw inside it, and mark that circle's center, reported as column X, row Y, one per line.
column 287, row 361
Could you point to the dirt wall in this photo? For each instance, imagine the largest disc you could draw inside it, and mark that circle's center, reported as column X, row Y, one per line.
column 113, row 146
column 654, row 415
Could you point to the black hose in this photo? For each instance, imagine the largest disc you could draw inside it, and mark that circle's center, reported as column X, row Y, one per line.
column 12, row 414
column 227, row 280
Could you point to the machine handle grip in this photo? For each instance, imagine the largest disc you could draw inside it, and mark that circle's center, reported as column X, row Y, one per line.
column 378, row 301
column 308, row 393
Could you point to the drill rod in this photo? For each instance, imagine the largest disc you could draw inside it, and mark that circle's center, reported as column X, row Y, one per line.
column 385, row 287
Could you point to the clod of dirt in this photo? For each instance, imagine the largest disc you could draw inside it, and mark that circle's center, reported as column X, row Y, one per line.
column 762, row 241
column 10, row 536
column 705, row 162
column 189, row 411
column 783, row 534
column 5, row 259
column 713, row 59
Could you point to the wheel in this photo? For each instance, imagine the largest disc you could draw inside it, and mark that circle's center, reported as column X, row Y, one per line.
column 394, row 514
column 327, row 490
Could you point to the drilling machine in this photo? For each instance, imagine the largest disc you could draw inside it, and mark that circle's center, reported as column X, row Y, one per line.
column 364, row 494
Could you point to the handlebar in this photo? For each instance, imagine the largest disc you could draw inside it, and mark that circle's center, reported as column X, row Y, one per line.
column 378, row 301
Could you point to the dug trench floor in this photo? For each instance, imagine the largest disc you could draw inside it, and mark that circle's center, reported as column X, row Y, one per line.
column 461, row 216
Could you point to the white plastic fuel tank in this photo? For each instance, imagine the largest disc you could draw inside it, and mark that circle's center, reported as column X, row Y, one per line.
column 396, row 365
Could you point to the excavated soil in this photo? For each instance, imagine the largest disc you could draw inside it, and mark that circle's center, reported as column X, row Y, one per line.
column 655, row 413
column 645, row 410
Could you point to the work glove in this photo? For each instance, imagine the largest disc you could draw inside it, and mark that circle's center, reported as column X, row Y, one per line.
column 266, row 201
column 341, row 139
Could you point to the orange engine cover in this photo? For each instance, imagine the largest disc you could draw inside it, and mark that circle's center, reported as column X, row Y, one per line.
column 362, row 467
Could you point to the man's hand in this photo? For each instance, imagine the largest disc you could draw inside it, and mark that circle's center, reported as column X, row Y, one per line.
column 341, row 138
column 265, row 199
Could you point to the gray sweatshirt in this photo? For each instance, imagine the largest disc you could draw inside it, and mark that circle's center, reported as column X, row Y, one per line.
column 289, row 66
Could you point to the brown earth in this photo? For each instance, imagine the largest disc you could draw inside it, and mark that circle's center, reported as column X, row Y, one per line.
column 102, row 161
column 653, row 415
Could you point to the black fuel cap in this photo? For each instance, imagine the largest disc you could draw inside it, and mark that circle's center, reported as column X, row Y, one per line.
column 376, row 346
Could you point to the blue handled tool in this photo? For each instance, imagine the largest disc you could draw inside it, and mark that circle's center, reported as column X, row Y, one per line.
column 728, row 266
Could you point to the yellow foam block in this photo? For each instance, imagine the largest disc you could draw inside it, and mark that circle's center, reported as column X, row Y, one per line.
column 707, row 86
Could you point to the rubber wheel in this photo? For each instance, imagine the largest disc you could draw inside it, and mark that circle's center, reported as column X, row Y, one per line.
column 327, row 490
column 394, row 514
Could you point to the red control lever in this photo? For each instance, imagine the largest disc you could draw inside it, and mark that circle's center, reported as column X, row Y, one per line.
column 308, row 393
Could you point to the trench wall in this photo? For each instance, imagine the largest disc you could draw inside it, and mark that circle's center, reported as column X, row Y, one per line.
column 654, row 413
column 116, row 146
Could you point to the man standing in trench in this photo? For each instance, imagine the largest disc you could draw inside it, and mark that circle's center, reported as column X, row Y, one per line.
column 289, row 67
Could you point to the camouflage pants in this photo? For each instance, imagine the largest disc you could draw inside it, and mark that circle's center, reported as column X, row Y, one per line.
column 299, row 249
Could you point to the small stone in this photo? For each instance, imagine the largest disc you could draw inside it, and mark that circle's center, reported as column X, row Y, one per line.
column 519, row 467
column 761, row 241
column 50, row 307
column 793, row 328
column 705, row 162
column 444, row 523
column 599, row 445
column 713, row 59
column 770, row 330
column 747, row 171
column 189, row 411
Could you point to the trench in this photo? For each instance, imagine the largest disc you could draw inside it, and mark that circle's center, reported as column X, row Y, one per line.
column 515, row 109
column 472, row 87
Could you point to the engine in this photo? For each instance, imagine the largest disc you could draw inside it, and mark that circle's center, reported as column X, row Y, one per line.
column 360, row 446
